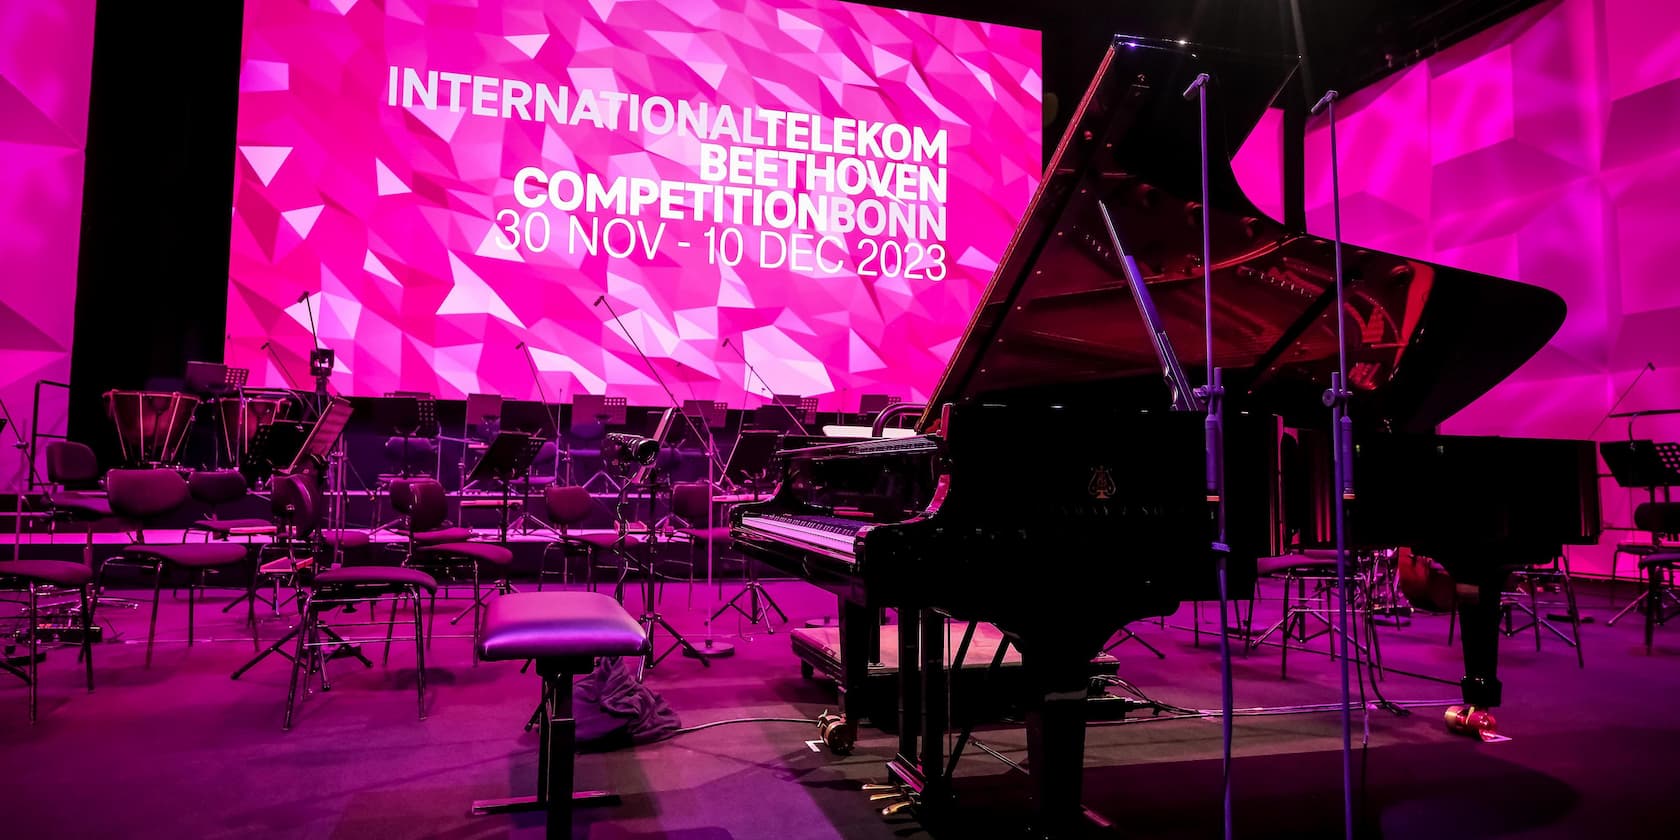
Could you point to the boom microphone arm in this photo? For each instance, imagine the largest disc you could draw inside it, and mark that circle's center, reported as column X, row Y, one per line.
column 754, row 371
column 711, row 452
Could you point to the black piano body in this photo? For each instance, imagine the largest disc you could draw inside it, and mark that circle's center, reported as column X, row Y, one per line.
column 1052, row 491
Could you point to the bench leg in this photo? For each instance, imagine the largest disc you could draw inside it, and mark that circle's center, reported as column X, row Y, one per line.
column 558, row 738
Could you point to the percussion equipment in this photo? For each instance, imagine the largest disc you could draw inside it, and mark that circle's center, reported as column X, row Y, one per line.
column 151, row 425
column 240, row 419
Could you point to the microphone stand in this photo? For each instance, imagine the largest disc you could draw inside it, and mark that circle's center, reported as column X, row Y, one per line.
column 1341, row 444
column 1212, row 393
column 559, row 438
column 754, row 371
column 669, row 395
column 711, row 649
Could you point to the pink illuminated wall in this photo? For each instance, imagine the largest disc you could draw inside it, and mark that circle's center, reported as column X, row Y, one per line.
column 46, row 59
column 1546, row 150
column 403, row 221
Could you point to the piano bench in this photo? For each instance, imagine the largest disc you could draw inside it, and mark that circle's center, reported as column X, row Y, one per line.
column 563, row 632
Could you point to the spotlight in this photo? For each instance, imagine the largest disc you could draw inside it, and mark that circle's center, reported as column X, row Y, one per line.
column 621, row 448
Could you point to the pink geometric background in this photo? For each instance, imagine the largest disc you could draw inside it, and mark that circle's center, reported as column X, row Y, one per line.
column 46, row 61
column 1546, row 150
column 386, row 217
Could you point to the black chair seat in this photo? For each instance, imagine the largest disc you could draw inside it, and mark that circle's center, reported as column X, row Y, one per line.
column 195, row 555
column 56, row 572
column 1308, row 563
column 442, row 535
column 346, row 539
column 604, row 540
column 376, row 576
column 483, row 552
column 230, row 526
column 540, row 625
column 718, row 534
column 1666, row 558
column 78, row 503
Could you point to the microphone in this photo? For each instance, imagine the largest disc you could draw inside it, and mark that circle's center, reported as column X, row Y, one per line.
column 598, row 300
column 264, row 347
column 519, row 346
column 1190, row 92
column 1324, row 101
column 303, row 297
column 724, row 344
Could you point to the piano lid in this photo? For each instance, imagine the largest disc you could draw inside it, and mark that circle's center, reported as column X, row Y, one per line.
column 1058, row 317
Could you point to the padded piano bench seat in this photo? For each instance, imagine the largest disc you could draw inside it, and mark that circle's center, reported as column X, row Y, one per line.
column 563, row 632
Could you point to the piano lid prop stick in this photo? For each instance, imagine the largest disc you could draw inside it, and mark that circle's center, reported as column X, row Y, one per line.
column 1336, row 398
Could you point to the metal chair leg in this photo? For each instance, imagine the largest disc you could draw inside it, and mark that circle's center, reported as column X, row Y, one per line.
column 419, row 656
column 87, row 635
column 157, row 594
column 34, row 650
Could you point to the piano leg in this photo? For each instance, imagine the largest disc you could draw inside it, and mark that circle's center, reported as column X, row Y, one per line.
column 860, row 642
column 1478, row 617
column 1056, row 737
column 909, row 684
column 934, row 792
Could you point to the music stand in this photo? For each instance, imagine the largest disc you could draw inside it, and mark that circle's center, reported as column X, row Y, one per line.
column 275, row 443
column 1642, row 464
column 322, row 436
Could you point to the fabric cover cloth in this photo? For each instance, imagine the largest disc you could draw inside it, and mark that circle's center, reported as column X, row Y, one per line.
column 59, row 572
column 197, row 555
column 613, row 709
column 539, row 625
column 375, row 576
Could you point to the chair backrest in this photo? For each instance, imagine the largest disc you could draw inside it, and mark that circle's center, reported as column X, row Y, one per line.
column 1662, row 518
column 422, row 500
column 72, row 465
column 689, row 501
column 568, row 506
column 217, row 487
column 144, row 494
column 296, row 501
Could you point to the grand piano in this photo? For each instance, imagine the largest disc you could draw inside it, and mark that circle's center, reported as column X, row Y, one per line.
column 1054, row 493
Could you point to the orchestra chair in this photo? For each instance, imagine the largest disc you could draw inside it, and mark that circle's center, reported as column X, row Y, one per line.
column 76, row 495
column 31, row 577
column 141, row 496
column 1524, row 597
column 1309, row 592
column 563, row 633
column 435, row 547
column 1659, row 602
column 344, row 587
column 568, row 508
column 216, row 488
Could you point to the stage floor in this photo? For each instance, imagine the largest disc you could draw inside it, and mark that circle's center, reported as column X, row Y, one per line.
column 181, row 750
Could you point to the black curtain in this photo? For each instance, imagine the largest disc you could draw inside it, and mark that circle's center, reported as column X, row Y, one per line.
column 152, row 277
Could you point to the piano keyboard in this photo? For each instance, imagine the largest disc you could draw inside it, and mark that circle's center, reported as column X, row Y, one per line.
column 830, row 532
